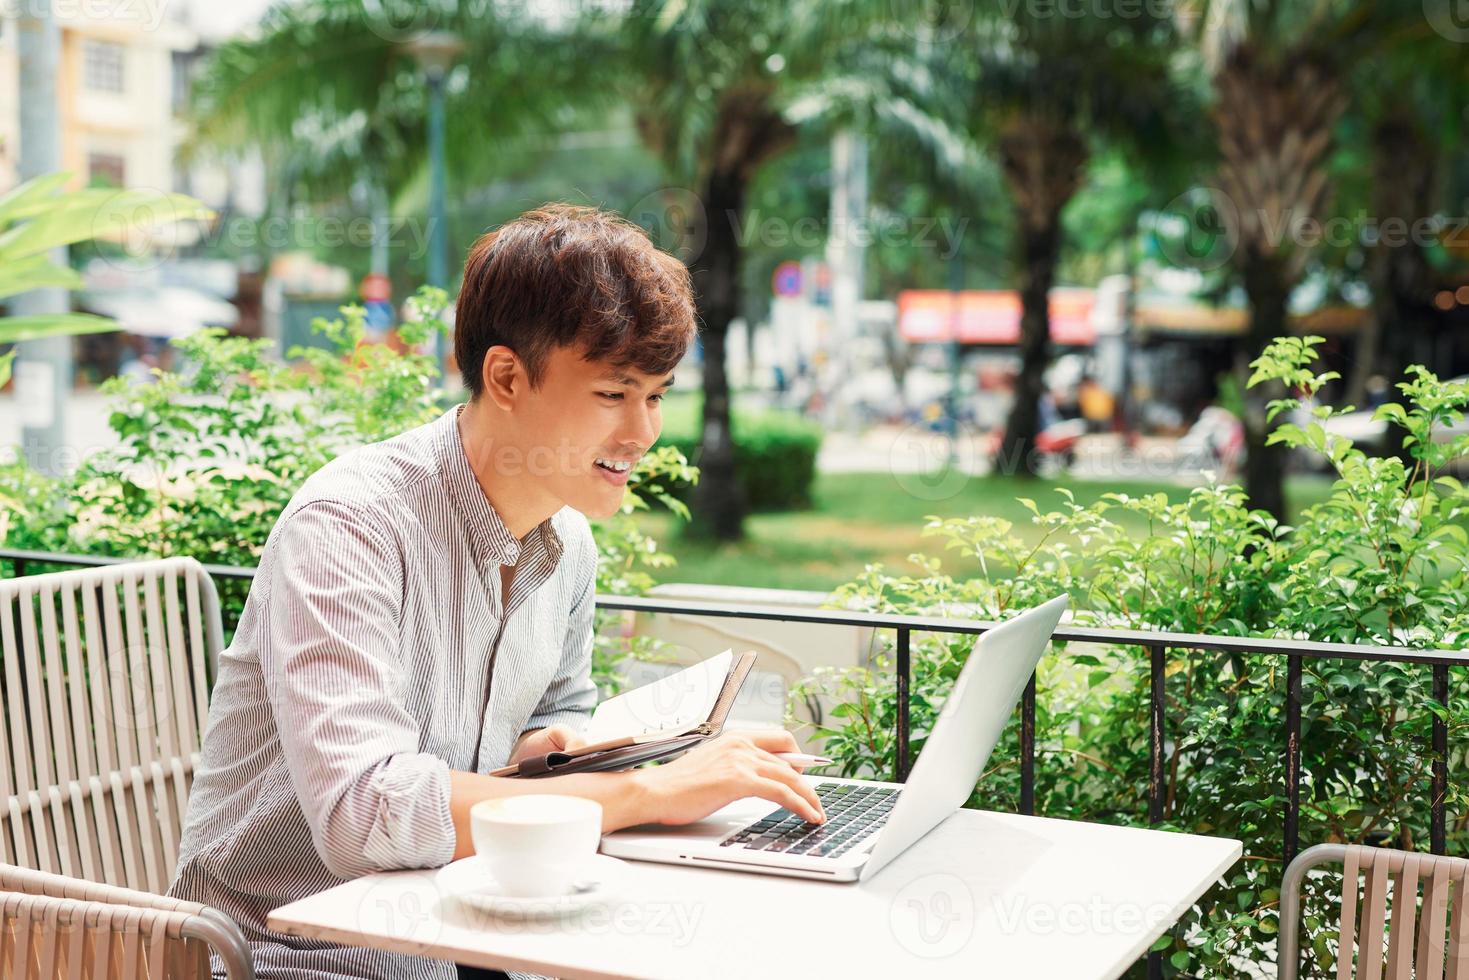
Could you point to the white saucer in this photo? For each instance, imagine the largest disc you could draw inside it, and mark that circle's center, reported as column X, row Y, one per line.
column 469, row 880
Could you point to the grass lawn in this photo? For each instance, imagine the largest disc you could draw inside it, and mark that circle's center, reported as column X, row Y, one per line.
column 859, row 518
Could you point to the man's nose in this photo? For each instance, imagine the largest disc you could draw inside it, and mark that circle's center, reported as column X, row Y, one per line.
column 639, row 430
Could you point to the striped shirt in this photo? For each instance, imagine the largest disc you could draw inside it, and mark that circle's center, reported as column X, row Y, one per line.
column 360, row 675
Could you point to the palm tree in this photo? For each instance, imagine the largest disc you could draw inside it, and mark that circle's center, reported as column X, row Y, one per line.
column 330, row 92
column 1278, row 72
column 718, row 89
column 1041, row 90
column 1410, row 91
column 40, row 216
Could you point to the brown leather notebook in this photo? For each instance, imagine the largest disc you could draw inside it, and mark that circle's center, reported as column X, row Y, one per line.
column 661, row 720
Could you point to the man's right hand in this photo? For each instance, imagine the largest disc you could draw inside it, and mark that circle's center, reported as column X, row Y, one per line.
column 728, row 768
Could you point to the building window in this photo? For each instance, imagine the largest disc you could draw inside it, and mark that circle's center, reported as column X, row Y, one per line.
column 106, row 168
column 103, row 66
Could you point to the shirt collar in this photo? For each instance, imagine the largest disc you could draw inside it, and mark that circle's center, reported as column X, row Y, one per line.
column 488, row 535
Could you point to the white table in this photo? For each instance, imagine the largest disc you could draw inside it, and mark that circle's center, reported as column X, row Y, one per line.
column 983, row 895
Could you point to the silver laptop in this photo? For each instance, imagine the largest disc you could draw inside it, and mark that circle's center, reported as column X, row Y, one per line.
column 868, row 823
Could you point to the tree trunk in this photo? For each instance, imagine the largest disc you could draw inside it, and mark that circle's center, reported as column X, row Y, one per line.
column 1405, row 177
column 1042, row 160
column 1040, row 249
column 719, row 500
column 1274, row 114
column 1267, row 285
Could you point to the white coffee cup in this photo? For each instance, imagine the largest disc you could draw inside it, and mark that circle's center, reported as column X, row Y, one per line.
column 536, row 844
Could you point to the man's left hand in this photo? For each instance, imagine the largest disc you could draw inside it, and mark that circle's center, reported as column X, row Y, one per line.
column 557, row 738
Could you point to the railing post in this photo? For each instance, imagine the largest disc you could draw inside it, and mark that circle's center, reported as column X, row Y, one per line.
column 1157, row 701
column 1156, row 657
column 903, row 668
column 1438, row 831
column 1157, row 662
column 20, row 567
column 1292, row 756
column 1027, row 749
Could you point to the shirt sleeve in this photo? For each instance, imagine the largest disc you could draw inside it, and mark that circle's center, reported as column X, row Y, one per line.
column 572, row 694
column 332, row 666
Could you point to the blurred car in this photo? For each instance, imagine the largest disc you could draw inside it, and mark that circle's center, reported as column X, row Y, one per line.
column 1216, row 441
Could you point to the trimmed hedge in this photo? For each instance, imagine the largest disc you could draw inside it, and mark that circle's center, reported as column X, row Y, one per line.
column 775, row 453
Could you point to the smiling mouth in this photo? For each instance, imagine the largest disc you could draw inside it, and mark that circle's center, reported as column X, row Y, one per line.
column 614, row 465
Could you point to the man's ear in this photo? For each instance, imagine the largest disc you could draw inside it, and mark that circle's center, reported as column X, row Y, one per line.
column 503, row 377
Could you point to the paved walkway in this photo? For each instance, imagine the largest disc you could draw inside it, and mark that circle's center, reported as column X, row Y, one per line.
column 918, row 449
column 884, row 449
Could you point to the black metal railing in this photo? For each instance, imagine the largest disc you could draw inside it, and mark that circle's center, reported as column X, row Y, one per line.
column 1157, row 644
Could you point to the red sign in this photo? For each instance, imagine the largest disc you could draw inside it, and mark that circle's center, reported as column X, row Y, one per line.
column 787, row 280
column 990, row 316
column 376, row 288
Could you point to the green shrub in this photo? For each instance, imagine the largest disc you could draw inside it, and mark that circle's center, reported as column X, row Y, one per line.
column 1383, row 560
column 209, row 455
column 775, row 454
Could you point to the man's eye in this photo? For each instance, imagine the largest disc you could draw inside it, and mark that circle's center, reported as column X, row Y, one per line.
column 657, row 398
column 614, row 395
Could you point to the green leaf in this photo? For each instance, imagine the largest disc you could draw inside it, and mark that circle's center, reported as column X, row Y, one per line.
column 106, row 215
column 14, row 329
column 36, row 272
column 19, row 201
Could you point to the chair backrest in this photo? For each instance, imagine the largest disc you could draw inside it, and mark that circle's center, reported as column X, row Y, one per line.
column 1428, row 934
column 104, row 684
column 83, row 928
column 47, row 938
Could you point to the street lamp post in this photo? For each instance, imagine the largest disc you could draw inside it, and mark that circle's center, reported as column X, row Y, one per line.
column 43, row 369
column 435, row 52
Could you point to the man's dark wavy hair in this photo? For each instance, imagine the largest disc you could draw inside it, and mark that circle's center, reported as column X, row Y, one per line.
column 569, row 276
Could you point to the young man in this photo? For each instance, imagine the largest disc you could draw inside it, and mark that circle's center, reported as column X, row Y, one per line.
column 423, row 608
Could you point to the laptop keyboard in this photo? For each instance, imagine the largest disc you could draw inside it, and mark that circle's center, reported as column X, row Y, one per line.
column 853, row 813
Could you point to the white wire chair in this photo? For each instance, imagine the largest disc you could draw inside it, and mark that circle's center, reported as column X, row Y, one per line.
column 105, row 686
column 54, row 927
column 1425, row 937
column 104, row 683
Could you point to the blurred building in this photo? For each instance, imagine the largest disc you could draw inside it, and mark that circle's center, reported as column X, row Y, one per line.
column 125, row 76
column 124, row 86
column 1161, row 351
column 116, row 91
column 116, row 94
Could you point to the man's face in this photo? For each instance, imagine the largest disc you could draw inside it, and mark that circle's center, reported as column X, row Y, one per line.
column 586, row 427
